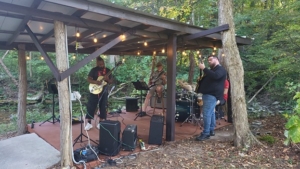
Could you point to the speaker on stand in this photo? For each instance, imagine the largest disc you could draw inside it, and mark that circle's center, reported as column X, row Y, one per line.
column 109, row 141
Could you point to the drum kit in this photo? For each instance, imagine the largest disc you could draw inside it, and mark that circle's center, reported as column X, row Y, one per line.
column 188, row 107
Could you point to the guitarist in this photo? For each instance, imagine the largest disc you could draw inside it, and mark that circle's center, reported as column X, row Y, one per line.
column 97, row 99
column 156, row 83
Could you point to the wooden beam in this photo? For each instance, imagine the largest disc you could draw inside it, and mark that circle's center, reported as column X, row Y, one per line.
column 171, row 83
column 34, row 5
column 18, row 16
column 80, row 22
column 92, row 56
column 47, row 59
column 207, row 32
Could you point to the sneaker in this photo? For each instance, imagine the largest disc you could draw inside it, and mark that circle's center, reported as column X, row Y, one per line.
column 88, row 126
column 98, row 126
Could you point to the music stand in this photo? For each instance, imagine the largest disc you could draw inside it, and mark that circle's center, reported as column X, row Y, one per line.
column 140, row 86
column 52, row 89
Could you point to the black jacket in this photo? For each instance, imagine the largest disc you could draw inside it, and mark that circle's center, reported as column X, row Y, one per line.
column 213, row 82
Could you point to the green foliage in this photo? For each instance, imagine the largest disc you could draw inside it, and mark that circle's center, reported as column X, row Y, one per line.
column 268, row 139
column 292, row 132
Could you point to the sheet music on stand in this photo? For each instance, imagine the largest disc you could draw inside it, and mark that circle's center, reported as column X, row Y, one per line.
column 140, row 85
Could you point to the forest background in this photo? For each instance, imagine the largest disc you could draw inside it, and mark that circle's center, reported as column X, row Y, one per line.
column 273, row 25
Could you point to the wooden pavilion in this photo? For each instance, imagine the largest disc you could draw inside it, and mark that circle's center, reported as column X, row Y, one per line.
column 51, row 26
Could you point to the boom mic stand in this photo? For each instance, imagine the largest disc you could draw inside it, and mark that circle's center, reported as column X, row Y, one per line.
column 52, row 89
column 78, row 96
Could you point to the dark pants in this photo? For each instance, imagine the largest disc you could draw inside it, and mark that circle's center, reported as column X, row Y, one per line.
column 101, row 101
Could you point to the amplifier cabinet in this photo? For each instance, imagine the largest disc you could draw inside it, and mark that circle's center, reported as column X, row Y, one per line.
column 129, row 137
column 156, row 130
column 109, row 141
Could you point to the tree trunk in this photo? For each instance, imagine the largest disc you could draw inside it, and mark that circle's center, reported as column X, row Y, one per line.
column 242, row 133
column 22, row 95
column 63, row 95
column 192, row 67
column 6, row 69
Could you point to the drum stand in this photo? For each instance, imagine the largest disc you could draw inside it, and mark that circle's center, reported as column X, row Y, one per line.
column 192, row 118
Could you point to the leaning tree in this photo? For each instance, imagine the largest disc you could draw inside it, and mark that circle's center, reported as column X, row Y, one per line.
column 242, row 134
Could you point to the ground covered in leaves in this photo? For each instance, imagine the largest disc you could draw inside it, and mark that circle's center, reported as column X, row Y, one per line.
column 219, row 152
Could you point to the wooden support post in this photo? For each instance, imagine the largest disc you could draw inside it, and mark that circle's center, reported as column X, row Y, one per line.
column 171, row 81
column 22, row 95
column 63, row 95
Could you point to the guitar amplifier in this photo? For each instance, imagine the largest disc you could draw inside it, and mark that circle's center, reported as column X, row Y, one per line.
column 156, row 130
column 158, row 103
column 131, row 104
column 129, row 137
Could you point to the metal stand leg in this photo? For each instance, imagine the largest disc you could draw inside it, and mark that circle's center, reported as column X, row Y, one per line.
column 54, row 119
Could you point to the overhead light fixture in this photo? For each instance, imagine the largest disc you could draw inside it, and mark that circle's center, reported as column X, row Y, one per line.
column 213, row 53
column 198, row 52
column 74, row 57
column 138, row 53
column 123, row 60
column 154, row 52
column 183, row 53
column 104, row 35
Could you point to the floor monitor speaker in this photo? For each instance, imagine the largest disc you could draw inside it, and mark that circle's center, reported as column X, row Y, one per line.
column 131, row 104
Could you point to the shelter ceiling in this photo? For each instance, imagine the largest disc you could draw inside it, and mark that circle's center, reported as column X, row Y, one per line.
column 93, row 19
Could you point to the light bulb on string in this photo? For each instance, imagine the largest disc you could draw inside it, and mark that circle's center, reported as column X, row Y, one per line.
column 213, row 53
column 95, row 40
column 215, row 48
column 138, row 53
column 145, row 43
column 73, row 57
column 163, row 50
column 123, row 60
column 123, row 37
column 154, row 52
column 77, row 34
column 223, row 54
column 42, row 58
column 198, row 52
column 27, row 57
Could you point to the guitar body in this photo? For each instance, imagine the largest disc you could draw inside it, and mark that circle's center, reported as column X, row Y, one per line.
column 96, row 89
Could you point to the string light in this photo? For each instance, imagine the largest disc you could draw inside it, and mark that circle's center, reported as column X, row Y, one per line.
column 223, row 54
column 123, row 37
column 215, row 48
column 154, row 52
column 183, row 53
column 74, row 57
column 198, row 52
column 145, row 43
column 95, row 40
column 42, row 58
column 77, row 34
column 213, row 53
column 163, row 50
column 104, row 36
column 27, row 57
column 123, row 60
column 138, row 52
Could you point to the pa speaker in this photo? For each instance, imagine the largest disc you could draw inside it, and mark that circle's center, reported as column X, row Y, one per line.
column 129, row 137
column 109, row 141
column 131, row 104
column 156, row 130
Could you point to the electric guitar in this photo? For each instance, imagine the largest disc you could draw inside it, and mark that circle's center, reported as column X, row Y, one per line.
column 156, row 79
column 95, row 88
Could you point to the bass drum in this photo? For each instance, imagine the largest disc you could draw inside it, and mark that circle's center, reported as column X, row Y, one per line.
column 184, row 109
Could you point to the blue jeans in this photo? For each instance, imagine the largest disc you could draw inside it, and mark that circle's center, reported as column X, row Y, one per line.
column 209, row 118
